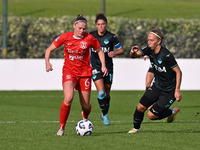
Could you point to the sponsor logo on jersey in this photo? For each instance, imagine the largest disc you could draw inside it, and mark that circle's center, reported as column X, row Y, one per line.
column 168, row 55
column 83, row 45
column 159, row 69
column 72, row 51
column 105, row 49
column 72, row 57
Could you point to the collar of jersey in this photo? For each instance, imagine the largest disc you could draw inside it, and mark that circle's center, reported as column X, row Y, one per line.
column 78, row 37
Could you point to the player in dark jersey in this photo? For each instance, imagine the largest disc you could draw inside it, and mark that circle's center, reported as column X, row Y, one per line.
column 103, row 84
column 165, row 89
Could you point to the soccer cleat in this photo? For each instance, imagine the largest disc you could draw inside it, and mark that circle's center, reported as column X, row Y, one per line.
column 172, row 117
column 133, row 131
column 105, row 119
column 60, row 132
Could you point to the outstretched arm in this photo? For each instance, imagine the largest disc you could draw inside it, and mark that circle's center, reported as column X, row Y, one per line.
column 48, row 52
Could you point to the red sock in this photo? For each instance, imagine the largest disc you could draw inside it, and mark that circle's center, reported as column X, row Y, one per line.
column 86, row 114
column 64, row 113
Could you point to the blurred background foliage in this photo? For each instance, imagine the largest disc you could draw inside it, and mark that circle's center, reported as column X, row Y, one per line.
column 29, row 37
column 33, row 25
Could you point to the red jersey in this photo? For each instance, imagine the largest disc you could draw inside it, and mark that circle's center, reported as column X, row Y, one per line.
column 77, row 54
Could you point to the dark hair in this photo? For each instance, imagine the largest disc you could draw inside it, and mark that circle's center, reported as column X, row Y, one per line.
column 158, row 32
column 80, row 18
column 100, row 16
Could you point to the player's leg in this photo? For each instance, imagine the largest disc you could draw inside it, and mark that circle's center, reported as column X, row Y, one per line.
column 68, row 89
column 107, row 85
column 147, row 100
column 161, row 109
column 107, row 90
column 85, row 103
column 84, row 89
column 102, row 99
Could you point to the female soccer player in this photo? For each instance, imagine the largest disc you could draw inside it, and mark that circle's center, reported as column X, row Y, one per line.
column 103, row 83
column 165, row 89
column 77, row 71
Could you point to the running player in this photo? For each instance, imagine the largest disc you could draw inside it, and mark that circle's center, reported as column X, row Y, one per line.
column 165, row 89
column 77, row 71
column 103, row 84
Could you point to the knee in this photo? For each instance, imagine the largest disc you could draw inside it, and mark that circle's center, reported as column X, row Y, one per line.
column 68, row 100
column 101, row 95
column 141, row 108
column 151, row 116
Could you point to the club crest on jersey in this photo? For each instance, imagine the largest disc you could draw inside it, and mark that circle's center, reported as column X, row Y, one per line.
column 160, row 61
column 106, row 41
column 83, row 45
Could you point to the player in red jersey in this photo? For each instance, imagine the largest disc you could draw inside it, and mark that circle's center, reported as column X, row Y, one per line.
column 77, row 71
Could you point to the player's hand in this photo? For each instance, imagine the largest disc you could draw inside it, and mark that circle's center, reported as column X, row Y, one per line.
column 178, row 95
column 112, row 54
column 135, row 48
column 49, row 67
column 105, row 71
column 145, row 57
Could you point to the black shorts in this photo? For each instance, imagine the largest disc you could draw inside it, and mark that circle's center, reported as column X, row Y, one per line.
column 160, row 100
column 150, row 70
column 98, row 74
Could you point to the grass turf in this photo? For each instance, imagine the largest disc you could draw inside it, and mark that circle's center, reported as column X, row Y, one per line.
column 29, row 120
column 144, row 9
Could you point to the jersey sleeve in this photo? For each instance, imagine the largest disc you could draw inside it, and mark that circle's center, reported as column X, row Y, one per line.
column 116, row 42
column 94, row 43
column 59, row 41
column 171, row 60
column 145, row 51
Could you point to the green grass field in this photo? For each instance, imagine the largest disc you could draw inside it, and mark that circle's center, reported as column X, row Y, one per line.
column 29, row 121
column 144, row 9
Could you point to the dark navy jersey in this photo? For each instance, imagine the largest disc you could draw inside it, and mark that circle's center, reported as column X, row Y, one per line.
column 162, row 63
column 108, row 41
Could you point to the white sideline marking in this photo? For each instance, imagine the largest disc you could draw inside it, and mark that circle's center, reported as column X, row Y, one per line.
column 74, row 121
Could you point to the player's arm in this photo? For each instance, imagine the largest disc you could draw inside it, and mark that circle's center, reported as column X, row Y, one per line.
column 102, row 59
column 135, row 52
column 48, row 52
column 177, row 94
column 120, row 51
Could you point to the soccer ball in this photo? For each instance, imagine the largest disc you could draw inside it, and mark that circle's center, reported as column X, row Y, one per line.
column 84, row 127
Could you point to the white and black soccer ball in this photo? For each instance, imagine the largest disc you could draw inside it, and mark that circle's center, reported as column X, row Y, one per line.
column 84, row 127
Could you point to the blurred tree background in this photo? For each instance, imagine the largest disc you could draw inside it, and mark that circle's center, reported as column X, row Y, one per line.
column 33, row 25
